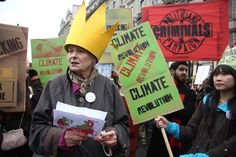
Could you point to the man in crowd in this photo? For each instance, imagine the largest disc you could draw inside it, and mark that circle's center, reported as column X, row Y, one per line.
column 179, row 71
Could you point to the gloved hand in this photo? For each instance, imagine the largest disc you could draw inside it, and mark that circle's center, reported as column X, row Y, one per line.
column 195, row 155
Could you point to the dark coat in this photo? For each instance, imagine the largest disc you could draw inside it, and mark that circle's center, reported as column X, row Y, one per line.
column 220, row 143
column 44, row 137
column 11, row 121
column 37, row 89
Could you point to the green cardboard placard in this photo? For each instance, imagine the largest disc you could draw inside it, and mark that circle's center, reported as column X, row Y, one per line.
column 146, row 81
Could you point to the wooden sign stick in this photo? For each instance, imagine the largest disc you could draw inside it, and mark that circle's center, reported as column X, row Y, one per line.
column 167, row 142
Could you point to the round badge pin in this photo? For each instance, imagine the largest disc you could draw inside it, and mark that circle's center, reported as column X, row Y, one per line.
column 90, row 97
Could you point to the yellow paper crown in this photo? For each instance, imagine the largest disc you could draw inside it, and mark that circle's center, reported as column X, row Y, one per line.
column 229, row 57
column 91, row 34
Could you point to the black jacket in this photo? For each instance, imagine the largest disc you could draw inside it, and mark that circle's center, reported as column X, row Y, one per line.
column 220, row 143
column 37, row 90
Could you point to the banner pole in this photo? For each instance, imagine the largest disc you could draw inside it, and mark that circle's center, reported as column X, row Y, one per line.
column 167, row 142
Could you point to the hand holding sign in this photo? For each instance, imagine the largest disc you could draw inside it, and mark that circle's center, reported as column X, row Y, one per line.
column 144, row 75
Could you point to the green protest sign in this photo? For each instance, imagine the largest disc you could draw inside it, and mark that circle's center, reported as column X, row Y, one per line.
column 48, row 57
column 146, row 81
column 123, row 15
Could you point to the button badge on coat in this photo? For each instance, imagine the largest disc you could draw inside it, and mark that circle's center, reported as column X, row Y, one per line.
column 90, row 97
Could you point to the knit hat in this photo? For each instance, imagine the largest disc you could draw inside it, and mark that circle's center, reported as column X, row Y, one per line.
column 91, row 34
column 229, row 57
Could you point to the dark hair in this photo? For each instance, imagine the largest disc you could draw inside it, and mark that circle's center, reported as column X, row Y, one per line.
column 32, row 73
column 215, row 96
column 176, row 64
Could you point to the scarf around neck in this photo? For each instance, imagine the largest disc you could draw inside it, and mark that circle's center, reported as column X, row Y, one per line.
column 81, row 85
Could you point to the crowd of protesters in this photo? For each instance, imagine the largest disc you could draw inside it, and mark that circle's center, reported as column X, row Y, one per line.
column 205, row 127
column 155, row 145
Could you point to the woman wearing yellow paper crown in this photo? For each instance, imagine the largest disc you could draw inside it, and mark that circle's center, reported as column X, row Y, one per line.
column 212, row 127
column 82, row 86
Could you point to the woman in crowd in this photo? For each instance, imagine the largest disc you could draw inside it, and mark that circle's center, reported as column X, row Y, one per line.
column 212, row 127
column 82, row 86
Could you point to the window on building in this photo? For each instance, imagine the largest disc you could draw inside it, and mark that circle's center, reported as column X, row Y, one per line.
column 141, row 3
column 114, row 4
column 157, row 2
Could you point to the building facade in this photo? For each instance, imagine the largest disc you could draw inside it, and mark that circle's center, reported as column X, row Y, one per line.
column 232, row 22
column 66, row 23
column 136, row 7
